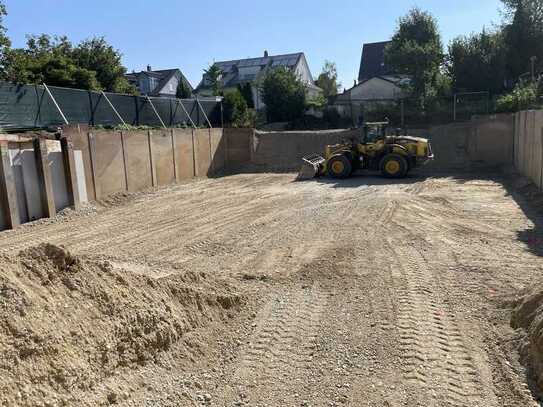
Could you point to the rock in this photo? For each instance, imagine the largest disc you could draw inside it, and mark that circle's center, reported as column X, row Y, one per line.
column 112, row 397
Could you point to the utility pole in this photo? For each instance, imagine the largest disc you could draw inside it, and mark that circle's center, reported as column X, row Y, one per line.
column 532, row 60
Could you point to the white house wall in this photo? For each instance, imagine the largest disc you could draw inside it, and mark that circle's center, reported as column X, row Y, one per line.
column 376, row 89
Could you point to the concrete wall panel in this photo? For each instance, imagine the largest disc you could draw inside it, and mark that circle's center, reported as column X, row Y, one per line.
column 202, row 150
column 163, row 157
column 184, row 158
column 138, row 164
column 218, row 150
column 239, row 143
column 60, row 190
column 109, row 165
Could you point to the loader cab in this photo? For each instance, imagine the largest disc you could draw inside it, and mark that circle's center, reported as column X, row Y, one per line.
column 373, row 132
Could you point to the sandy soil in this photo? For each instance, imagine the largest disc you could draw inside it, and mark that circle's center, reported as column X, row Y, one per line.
column 366, row 292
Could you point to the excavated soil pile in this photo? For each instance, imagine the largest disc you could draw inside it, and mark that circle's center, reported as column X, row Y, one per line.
column 67, row 324
column 529, row 317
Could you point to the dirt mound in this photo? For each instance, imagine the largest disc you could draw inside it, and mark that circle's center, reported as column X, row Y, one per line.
column 528, row 316
column 67, row 324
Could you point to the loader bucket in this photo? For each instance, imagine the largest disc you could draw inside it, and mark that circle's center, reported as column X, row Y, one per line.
column 311, row 167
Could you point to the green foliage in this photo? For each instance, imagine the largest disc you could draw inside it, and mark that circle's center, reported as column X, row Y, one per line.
column 96, row 55
column 327, row 80
column 416, row 50
column 48, row 60
column 477, row 62
column 236, row 112
column 523, row 33
column 247, row 93
column 91, row 65
column 183, row 90
column 523, row 97
column 284, row 95
column 317, row 102
column 4, row 40
column 213, row 75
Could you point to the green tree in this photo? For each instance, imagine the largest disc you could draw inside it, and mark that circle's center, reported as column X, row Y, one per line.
column 478, row 62
column 523, row 97
column 91, row 65
column 327, row 80
column 48, row 59
column 246, row 91
column 284, row 95
column 523, row 33
column 96, row 55
column 236, row 112
column 213, row 77
column 183, row 90
column 416, row 50
column 4, row 40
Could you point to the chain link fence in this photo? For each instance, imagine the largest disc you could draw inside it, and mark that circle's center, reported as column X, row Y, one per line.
column 409, row 112
column 25, row 107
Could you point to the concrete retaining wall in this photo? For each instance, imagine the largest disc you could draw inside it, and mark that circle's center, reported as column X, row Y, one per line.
column 484, row 142
column 118, row 161
column 528, row 145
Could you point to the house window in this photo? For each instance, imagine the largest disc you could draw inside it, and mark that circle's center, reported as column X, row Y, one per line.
column 153, row 83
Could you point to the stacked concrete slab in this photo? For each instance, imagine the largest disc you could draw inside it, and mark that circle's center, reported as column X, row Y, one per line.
column 528, row 145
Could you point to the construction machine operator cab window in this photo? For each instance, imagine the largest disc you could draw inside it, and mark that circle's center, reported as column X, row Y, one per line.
column 372, row 133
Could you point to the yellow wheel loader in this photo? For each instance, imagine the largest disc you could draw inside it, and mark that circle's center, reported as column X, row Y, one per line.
column 393, row 155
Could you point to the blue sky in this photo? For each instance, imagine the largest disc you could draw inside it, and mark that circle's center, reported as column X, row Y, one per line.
column 192, row 34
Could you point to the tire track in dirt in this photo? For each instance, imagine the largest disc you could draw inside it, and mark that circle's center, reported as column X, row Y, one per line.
column 437, row 360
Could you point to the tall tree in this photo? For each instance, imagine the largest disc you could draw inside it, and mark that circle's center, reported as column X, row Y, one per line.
column 92, row 65
column 4, row 40
column 478, row 62
column 523, row 35
column 213, row 77
column 98, row 56
column 416, row 50
column 327, row 79
column 283, row 94
column 48, row 59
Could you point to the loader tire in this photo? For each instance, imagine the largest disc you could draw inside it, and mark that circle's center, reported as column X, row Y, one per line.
column 340, row 167
column 394, row 166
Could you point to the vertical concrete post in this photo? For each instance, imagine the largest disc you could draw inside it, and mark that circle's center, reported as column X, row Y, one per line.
column 70, row 175
column 8, row 193
column 174, row 151
column 211, row 170
column 151, row 158
column 125, row 167
column 44, row 178
column 194, row 155
column 92, row 155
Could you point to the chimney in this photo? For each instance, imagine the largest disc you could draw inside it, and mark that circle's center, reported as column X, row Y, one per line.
column 149, row 69
column 266, row 55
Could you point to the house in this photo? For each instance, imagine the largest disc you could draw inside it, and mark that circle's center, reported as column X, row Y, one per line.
column 372, row 63
column 252, row 70
column 377, row 83
column 162, row 83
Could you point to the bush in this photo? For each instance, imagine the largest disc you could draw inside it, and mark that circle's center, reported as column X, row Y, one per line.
column 236, row 112
column 523, row 97
column 284, row 95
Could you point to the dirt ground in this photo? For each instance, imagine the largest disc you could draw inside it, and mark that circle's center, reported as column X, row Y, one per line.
column 365, row 292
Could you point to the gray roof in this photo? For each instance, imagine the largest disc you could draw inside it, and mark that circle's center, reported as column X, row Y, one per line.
column 230, row 68
column 164, row 75
column 372, row 63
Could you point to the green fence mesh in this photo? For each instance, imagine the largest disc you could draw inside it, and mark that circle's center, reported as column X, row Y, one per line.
column 24, row 107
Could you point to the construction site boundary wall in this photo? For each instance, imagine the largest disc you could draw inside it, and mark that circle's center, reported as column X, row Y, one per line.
column 39, row 178
column 486, row 141
column 528, row 141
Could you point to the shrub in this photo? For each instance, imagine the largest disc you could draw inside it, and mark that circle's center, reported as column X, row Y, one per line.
column 236, row 112
column 284, row 95
column 523, row 97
